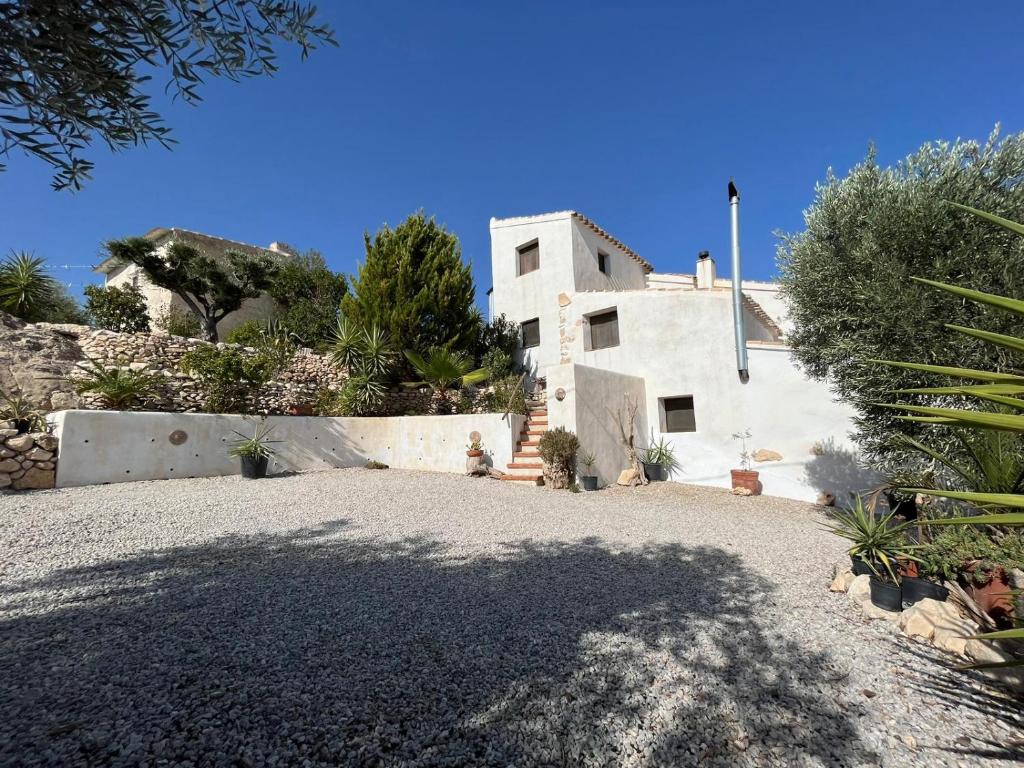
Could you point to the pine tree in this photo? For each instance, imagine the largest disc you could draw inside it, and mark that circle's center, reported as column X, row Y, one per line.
column 415, row 286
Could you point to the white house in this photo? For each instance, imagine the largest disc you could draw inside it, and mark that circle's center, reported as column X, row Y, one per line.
column 159, row 301
column 599, row 323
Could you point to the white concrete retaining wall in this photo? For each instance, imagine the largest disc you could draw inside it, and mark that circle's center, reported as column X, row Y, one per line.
column 118, row 446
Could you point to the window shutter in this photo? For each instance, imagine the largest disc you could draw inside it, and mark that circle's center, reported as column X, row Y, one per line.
column 604, row 330
column 679, row 414
column 531, row 333
column 529, row 258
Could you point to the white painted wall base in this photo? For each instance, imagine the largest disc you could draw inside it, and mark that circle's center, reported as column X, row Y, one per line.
column 120, row 446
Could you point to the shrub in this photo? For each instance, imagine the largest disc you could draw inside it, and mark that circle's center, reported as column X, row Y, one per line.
column 229, row 378
column 507, row 392
column 362, row 395
column 248, row 334
column 500, row 336
column 308, row 295
column 948, row 554
column 557, row 449
column 117, row 388
column 26, row 417
column 177, row 322
column 498, row 362
column 117, row 309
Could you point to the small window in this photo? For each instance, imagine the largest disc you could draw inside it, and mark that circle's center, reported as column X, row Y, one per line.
column 602, row 262
column 529, row 257
column 604, row 330
column 677, row 414
column 531, row 333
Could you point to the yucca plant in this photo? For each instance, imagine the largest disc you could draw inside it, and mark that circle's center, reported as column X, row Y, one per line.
column 444, row 370
column 346, row 343
column 26, row 291
column 878, row 541
column 117, row 388
column 26, row 417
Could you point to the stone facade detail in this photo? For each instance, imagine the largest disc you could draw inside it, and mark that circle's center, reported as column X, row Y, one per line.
column 28, row 460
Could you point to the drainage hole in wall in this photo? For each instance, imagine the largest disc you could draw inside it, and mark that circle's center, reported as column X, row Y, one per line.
column 315, row 437
column 85, row 441
column 152, row 439
column 197, row 455
column 172, row 469
column 127, row 471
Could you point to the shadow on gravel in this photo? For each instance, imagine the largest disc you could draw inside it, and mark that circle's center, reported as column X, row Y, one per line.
column 323, row 647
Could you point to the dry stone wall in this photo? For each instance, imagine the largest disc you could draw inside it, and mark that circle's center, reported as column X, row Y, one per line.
column 27, row 461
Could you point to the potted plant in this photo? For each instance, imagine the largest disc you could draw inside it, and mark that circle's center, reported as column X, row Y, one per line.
column 659, row 460
column 879, row 544
column 18, row 410
column 557, row 448
column 745, row 477
column 924, row 577
column 300, row 409
column 254, row 452
column 589, row 480
column 475, row 449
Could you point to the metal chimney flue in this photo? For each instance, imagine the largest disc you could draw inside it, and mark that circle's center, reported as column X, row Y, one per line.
column 737, row 285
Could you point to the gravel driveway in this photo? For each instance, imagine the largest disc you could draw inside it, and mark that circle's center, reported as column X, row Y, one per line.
column 395, row 618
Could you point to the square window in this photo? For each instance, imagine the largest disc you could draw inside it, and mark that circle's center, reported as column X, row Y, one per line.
column 602, row 262
column 531, row 333
column 677, row 414
column 529, row 257
column 604, row 329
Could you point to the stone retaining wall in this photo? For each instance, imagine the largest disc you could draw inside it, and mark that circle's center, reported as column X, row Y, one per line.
column 27, row 460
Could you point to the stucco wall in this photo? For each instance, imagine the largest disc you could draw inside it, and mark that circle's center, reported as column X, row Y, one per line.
column 624, row 273
column 592, row 399
column 114, row 446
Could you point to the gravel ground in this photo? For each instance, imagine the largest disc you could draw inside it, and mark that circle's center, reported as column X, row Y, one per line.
column 396, row 618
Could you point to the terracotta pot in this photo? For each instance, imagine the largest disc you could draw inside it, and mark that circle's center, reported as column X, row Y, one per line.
column 474, row 454
column 300, row 410
column 995, row 597
column 908, row 568
column 746, row 478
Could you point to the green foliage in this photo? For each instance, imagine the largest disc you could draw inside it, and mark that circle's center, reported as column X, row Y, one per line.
column 64, row 309
column 442, row 370
column 507, row 393
column 361, row 395
column 72, row 72
column 499, row 338
column 415, row 286
column 255, row 447
column 847, row 278
column 269, row 339
column 557, row 448
column 948, row 555
column 248, row 334
column 588, row 459
column 661, row 453
column 308, row 296
column 369, row 356
column 212, row 288
column 498, row 362
column 117, row 309
column 26, row 417
column 878, row 540
column 178, row 323
column 229, row 377
column 26, row 290
column 117, row 388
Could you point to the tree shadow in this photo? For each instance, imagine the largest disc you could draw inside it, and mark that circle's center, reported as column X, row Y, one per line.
column 324, row 647
column 837, row 470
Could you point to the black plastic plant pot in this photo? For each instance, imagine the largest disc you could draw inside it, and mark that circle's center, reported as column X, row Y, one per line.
column 253, row 468
column 915, row 590
column 887, row 596
column 859, row 567
column 589, row 482
column 655, row 472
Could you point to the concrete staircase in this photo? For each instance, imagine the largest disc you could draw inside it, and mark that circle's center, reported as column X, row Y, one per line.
column 526, row 465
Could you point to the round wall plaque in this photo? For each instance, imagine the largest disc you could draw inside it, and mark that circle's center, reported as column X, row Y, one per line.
column 559, row 394
column 474, row 436
column 177, row 437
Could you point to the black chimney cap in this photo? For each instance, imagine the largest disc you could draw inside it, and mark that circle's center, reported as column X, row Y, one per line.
column 733, row 192
column 704, row 255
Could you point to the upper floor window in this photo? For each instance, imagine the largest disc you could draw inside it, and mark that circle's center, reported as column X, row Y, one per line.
column 602, row 262
column 531, row 333
column 529, row 257
column 604, row 329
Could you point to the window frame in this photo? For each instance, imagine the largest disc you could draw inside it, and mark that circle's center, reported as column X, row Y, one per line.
column 590, row 328
column 603, row 264
column 663, row 412
column 533, row 245
column 522, row 333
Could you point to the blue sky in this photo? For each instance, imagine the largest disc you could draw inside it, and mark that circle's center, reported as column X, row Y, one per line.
column 635, row 113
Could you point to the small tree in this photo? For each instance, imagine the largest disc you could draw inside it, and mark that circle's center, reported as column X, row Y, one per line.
column 210, row 288
column 415, row 286
column 847, row 278
column 117, row 309
column 308, row 296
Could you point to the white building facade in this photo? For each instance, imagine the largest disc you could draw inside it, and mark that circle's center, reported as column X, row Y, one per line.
column 598, row 323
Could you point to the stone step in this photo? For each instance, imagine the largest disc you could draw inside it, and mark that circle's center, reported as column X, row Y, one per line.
column 537, row 422
column 527, row 443
column 532, row 432
column 525, row 465
column 525, row 455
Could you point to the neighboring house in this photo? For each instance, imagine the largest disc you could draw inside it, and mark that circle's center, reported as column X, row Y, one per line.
column 597, row 323
column 160, row 300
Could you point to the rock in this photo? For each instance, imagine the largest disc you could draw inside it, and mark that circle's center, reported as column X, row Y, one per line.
column 38, row 454
column 742, row 492
column 842, row 582
column 564, row 300
column 988, row 652
column 917, row 623
column 35, row 479
column 627, row 477
column 46, row 465
column 951, row 634
column 872, row 611
column 841, row 566
column 10, row 465
column 5, row 454
column 20, row 443
column 35, row 360
column 7, row 432
column 5, row 479
column 45, row 440
column 826, row 499
column 860, row 588
column 763, row 454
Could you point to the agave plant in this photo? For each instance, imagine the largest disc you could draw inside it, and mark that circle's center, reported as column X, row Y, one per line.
column 346, row 343
column 255, row 447
column 18, row 409
column 444, row 370
column 117, row 388
column 878, row 541
column 25, row 288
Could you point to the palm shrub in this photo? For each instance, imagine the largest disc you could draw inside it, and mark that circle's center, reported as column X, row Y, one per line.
column 26, row 417
column 877, row 541
column 117, row 388
column 26, row 290
column 368, row 354
column 444, row 370
column 557, row 448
